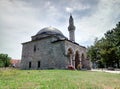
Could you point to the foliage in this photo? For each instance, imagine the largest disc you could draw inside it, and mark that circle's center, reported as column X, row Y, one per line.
column 57, row 79
column 4, row 60
column 106, row 51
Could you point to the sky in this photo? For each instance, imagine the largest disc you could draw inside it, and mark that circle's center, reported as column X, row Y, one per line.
column 21, row 19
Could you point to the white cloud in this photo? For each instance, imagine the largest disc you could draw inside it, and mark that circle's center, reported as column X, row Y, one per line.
column 19, row 20
column 68, row 9
column 99, row 22
column 15, row 26
column 76, row 6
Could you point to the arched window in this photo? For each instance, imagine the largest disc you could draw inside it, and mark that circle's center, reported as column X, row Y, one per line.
column 82, row 57
column 82, row 60
column 70, row 55
column 70, row 51
column 34, row 48
column 77, row 60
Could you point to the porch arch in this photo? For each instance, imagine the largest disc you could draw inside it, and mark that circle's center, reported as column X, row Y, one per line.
column 82, row 59
column 70, row 54
column 77, row 60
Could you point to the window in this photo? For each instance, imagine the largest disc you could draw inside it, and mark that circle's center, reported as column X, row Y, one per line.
column 30, row 64
column 38, row 64
column 34, row 48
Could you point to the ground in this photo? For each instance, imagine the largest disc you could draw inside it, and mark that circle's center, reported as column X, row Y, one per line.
column 57, row 79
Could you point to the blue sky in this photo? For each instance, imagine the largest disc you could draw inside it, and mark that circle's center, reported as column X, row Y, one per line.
column 21, row 19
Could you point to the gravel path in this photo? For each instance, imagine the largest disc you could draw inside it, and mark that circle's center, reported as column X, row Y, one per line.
column 108, row 71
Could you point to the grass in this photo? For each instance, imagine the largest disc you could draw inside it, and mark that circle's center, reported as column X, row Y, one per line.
column 57, row 79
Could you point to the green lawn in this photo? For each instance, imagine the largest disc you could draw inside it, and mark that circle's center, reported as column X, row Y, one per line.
column 57, row 79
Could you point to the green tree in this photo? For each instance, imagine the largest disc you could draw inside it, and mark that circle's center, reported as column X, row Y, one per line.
column 93, row 53
column 106, row 51
column 113, row 36
column 117, row 43
column 4, row 60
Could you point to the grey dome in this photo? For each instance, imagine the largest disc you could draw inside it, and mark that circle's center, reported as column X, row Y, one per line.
column 50, row 31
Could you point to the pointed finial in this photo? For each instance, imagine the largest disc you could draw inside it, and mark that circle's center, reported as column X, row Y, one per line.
column 71, row 16
column 71, row 22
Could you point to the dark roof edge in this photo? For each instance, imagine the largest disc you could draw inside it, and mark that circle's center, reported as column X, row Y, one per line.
column 42, row 38
column 69, row 41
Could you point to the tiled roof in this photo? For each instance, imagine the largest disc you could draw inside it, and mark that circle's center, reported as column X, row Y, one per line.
column 15, row 61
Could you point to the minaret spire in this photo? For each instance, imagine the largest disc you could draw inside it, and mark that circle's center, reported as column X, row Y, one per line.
column 71, row 29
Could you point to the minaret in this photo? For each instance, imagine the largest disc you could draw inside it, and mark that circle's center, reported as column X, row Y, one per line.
column 71, row 29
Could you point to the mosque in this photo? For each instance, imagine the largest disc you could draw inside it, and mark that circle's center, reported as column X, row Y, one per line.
column 50, row 49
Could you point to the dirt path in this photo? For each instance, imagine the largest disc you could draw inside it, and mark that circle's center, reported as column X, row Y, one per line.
column 108, row 71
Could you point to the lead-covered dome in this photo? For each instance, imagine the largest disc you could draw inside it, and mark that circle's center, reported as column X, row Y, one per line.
column 49, row 31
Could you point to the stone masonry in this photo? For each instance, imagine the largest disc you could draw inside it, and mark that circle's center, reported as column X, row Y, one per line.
column 50, row 49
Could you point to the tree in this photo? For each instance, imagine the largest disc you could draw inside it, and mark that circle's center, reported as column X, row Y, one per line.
column 113, row 36
column 4, row 60
column 93, row 53
column 117, row 43
column 106, row 51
